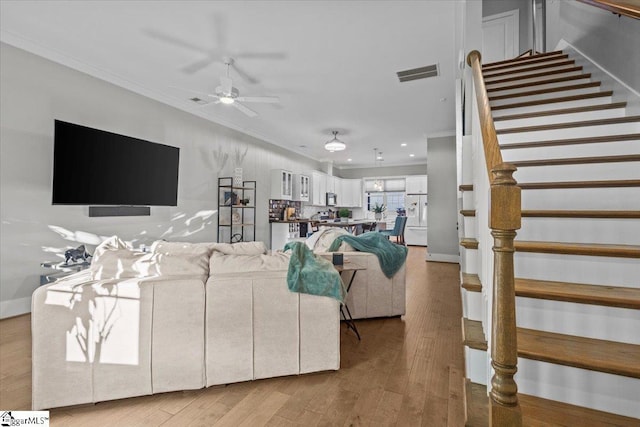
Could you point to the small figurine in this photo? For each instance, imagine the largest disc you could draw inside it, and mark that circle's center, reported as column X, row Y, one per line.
column 75, row 254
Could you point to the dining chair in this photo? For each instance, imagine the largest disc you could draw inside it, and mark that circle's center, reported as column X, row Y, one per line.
column 398, row 230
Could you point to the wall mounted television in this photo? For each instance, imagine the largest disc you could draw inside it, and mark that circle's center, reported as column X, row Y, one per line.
column 95, row 167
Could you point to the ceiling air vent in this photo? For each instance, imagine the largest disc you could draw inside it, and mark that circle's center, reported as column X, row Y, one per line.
column 418, row 73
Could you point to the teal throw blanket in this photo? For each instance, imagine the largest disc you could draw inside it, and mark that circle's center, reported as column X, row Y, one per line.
column 390, row 255
column 312, row 275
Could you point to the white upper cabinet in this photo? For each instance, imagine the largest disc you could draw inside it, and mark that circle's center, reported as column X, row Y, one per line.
column 301, row 187
column 355, row 186
column 281, row 184
column 318, row 188
column 416, row 184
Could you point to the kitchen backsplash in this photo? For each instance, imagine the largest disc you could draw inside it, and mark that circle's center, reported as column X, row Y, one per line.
column 277, row 207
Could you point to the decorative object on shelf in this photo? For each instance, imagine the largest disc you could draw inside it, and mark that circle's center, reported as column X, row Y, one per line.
column 244, row 202
column 235, row 218
column 378, row 184
column 344, row 213
column 238, row 159
column 335, row 144
column 76, row 254
column 230, row 198
column 378, row 210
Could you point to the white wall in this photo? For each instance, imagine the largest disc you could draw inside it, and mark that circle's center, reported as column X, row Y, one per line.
column 607, row 39
column 442, row 220
column 34, row 92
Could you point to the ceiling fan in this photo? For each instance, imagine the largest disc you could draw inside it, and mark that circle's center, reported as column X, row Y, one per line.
column 229, row 95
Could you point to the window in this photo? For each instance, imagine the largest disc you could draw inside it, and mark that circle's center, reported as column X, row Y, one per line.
column 391, row 199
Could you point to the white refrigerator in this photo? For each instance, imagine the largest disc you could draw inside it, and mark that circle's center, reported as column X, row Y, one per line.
column 415, row 232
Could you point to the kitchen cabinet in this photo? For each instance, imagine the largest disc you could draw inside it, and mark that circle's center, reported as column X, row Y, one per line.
column 281, row 184
column 301, row 187
column 355, row 192
column 416, row 184
column 318, row 188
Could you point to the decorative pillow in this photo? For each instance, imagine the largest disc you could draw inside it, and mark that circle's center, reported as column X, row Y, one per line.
column 224, row 264
column 113, row 260
column 241, row 248
column 181, row 258
column 326, row 238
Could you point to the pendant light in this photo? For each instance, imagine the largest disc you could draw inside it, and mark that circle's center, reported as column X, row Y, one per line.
column 378, row 184
column 335, row 144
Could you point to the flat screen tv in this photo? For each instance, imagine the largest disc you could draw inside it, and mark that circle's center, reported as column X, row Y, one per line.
column 95, row 167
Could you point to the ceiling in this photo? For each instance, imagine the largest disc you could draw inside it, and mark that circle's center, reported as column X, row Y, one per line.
column 333, row 64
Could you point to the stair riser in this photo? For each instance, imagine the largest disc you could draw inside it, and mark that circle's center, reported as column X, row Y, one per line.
column 488, row 84
column 560, row 118
column 563, row 151
column 584, row 172
column 623, row 272
column 569, row 133
column 488, row 77
column 469, row 260
column 546, row 95
column 583, row 198
column 553, row 106
column 583, row 320
column 539, row 87
column 581, row 230
column 597, row 390
column 472, row 305
column 525, row 64
column 470, row 227
column 476, row 365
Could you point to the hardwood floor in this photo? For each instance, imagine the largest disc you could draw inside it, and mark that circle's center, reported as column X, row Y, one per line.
column 398, row 375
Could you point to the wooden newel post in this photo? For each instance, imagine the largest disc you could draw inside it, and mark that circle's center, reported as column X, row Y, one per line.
column 505, row 220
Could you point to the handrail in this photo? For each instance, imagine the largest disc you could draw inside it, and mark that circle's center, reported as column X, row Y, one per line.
column 504, row 219
column 628, row 8
column 492, row 154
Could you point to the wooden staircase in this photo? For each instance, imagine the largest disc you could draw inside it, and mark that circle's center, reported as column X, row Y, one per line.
column 577, row 260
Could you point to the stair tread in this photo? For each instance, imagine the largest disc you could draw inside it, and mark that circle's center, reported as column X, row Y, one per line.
column 573, row 141
column 589, row 249
column 577, row 160
column 469, row 243
column 580, row 352
column 537, row 411
column 535, row 102
column 473, row 335
column 611, row 296
column 539, row 83
column 535, row 75
column 560, row 111
column 611, row 183
column 468, row 212
column 471, row 282
column 580, row 213
column 466, row 187
column 540, row 412
column 546, row 90
column 547, row 56
column 584, row 123
column 488, row 74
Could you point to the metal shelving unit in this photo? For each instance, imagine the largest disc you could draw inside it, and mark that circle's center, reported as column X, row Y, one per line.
column 236, row 219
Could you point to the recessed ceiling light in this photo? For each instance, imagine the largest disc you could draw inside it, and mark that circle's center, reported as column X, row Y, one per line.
column 412, row 155
column 404, row 144
column 443, row 99
column 349, row 160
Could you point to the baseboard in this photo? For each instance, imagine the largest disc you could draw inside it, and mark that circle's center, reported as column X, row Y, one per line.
column 443, row 258
column 15, row 307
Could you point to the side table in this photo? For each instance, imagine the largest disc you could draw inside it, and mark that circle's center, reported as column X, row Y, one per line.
column 353, row 268
column 62, row 270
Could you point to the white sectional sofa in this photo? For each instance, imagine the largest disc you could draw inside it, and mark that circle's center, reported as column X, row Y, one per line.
column 183, row 317
column 372, row 293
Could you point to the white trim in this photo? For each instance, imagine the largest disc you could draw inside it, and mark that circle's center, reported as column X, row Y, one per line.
column 443, row 258
column 15, row 307
column 442, row 134
column 563, row 44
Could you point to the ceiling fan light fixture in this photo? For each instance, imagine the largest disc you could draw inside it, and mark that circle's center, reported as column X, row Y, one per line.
column 335, row 144
column 226, row 100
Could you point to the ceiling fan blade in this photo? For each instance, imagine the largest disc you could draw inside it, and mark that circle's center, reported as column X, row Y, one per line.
column 175, row 41
column 226, row 84
column 258, row 55
column 263, row 99
column 248, row 111
column 244, row 75
column 198, row 65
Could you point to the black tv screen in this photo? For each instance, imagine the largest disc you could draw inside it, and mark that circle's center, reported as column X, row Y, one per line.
column 95, row 167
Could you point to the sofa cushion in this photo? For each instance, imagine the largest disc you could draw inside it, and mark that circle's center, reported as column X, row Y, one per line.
column 181, row 258
column 324, row 237
column 241, row 248
column 112, row 259
column 225, row 264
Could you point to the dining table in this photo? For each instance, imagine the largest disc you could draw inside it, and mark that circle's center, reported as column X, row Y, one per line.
column 351, row 225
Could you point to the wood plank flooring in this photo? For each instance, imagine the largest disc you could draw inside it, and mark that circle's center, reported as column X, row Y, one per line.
column 398, row 375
